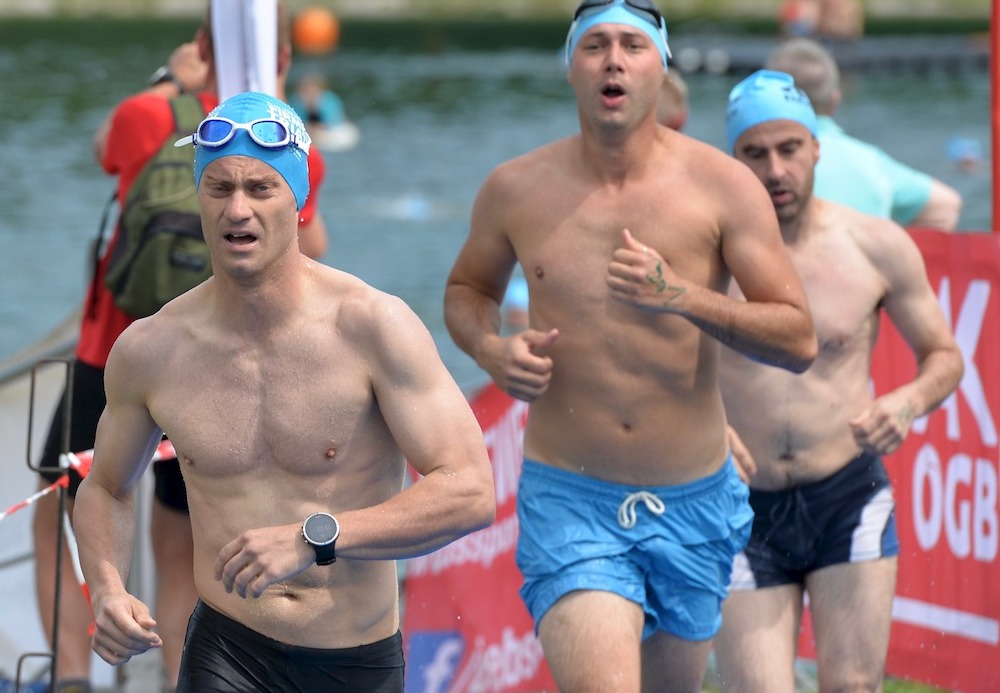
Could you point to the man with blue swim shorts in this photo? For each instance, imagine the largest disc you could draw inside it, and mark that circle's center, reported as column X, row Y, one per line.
column 628, row 234
column 295, row 396
column 824, row 511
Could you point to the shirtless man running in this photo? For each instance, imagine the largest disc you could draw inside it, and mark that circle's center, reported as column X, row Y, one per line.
column 824, row 510
column 628, row 233
column 288, row 389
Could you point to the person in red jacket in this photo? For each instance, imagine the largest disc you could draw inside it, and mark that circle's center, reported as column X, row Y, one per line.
column 131, row 135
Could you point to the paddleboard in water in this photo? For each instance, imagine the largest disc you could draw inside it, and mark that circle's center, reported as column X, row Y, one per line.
column 334, row 138
column 245, row 40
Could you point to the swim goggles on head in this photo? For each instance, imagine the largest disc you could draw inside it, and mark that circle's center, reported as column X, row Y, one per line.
column 266, row 132
column 640, row 8
column 644, row 10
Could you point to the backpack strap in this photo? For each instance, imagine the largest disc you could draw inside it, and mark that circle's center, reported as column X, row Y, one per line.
column 98, row 249
column 188, row 113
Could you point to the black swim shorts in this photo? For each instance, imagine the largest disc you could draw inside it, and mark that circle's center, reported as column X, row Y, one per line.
column 846, row 518
column 224, row 656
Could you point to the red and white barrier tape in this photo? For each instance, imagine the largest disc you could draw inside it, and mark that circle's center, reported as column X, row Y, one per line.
column 81, row 462
column 63, row 481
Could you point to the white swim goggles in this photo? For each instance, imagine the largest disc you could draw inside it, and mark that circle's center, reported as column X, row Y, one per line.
column 266, row 132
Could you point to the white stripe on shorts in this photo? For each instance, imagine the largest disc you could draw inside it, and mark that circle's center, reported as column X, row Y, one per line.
column 742, row 575
column 866, row 541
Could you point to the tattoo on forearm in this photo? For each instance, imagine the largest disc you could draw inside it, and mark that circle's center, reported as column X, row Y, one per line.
column 907, row 413
column 660, row 284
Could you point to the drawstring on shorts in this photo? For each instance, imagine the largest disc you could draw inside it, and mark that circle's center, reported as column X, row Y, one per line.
column 626, row 511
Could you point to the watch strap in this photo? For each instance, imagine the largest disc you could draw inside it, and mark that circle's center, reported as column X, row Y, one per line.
column 165, row 74
column 325, row 555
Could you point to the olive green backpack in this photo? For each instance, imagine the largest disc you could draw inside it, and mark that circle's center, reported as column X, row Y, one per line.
column 160, row 251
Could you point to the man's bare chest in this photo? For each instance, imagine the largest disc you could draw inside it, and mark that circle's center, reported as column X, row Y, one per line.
column 246, row 416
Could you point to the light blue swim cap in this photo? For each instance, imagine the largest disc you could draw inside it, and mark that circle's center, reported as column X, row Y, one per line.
column 289, row 160
column 618, row 12
column 766, row 95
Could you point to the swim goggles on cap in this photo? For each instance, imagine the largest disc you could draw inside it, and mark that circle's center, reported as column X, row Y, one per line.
column 640, row 8
column 644, row 10
column 266, row 132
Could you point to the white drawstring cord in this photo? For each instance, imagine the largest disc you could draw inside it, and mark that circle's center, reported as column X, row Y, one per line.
column 626, row 511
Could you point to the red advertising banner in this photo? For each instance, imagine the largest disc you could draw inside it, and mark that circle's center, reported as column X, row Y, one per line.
column 466, row 628
column 946, row 617
column 465, row 625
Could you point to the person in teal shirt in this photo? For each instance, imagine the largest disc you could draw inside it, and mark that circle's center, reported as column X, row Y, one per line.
column 322, row 110
column 854, row 172
column 315, row 103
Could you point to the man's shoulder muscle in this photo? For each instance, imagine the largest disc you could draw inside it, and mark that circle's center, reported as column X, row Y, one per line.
column 138, row 348
column 893, row 254
column 364, row 312
column 521, row 172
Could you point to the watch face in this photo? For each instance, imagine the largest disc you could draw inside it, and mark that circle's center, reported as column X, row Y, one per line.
column 321, row 529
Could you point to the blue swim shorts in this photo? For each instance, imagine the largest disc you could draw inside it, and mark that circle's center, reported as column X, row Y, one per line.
column 845, row 518
column 669, row 549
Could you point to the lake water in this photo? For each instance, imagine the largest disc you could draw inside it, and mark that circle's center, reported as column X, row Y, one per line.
column 433, row 124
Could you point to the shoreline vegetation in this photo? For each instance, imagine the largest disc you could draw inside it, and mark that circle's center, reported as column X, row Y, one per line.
column 441, row 33
column 890, row 16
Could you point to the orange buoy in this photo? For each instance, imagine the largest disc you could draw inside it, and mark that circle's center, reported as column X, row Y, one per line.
column 315, row 30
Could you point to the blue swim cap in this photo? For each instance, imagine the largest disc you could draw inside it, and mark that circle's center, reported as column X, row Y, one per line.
column 618, row 12
column 766, row 95
column 289, row 160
